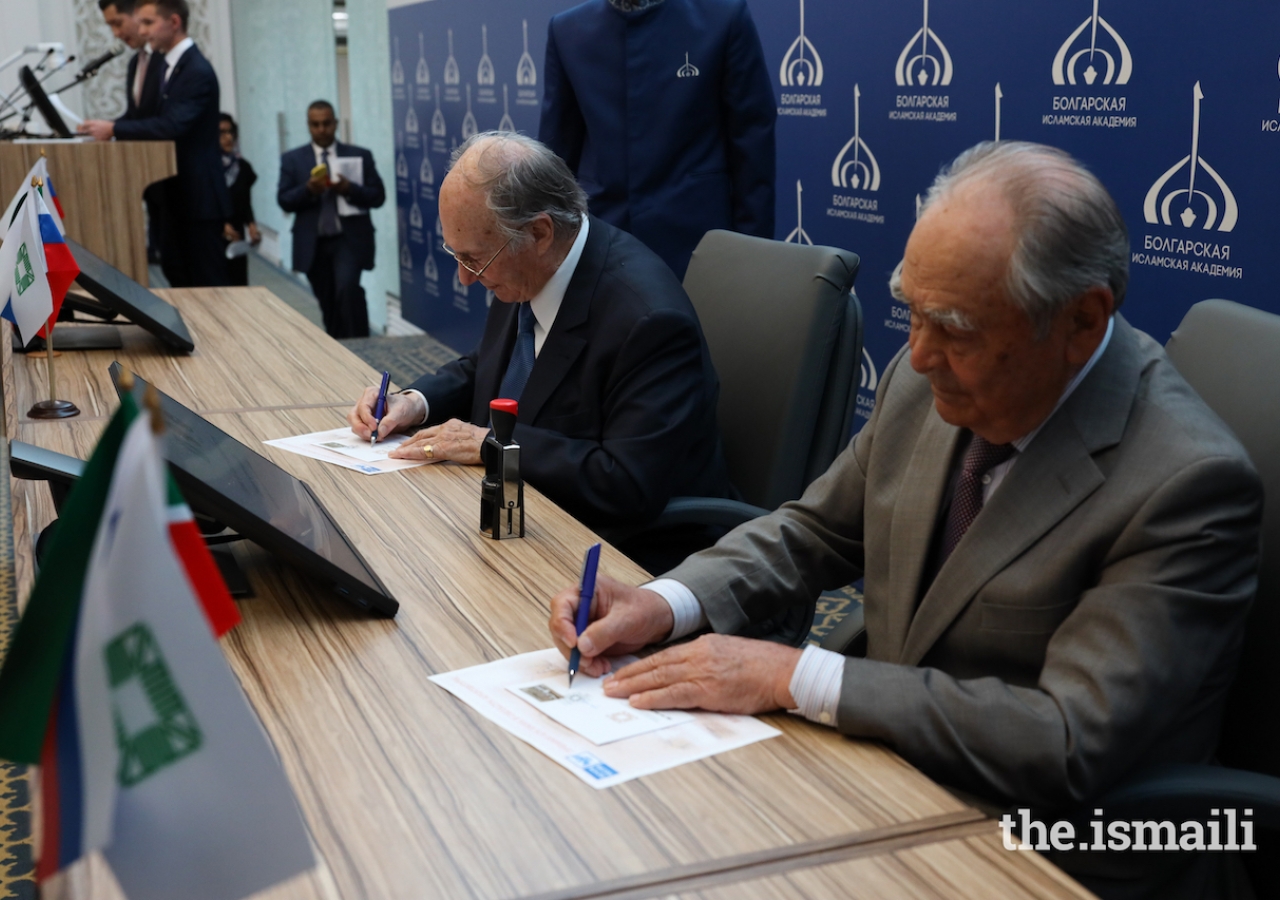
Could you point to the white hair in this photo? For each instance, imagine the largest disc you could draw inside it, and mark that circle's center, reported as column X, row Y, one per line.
column 1070, row 234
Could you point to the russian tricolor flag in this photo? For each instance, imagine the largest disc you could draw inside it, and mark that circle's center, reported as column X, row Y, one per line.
column 61, row 265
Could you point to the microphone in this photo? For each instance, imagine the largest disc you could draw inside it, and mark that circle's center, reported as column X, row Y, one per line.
column 95, row 64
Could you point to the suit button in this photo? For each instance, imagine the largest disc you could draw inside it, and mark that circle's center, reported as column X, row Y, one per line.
column 986, row 479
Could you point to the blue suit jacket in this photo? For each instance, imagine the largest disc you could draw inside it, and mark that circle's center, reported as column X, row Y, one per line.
column 662, row 152
column 188, row 116
column 150, row 102
column 619, row 413
column 293, row 197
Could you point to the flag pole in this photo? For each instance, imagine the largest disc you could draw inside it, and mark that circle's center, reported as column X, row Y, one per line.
column 53, row 408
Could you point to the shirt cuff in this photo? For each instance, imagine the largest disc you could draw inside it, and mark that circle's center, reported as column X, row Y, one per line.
column 426, row 407
column 686, row 611
column 816, row 683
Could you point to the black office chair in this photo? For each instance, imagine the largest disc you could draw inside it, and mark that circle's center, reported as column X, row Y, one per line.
column 785, row 333
column 1228, row 353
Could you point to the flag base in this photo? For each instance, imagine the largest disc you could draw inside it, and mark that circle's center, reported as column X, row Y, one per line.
column 53, row 409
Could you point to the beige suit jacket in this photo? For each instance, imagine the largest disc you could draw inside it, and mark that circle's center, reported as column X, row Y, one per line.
column 1087, row 624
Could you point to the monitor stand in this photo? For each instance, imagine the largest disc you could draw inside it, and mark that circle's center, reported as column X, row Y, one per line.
column 75, row 337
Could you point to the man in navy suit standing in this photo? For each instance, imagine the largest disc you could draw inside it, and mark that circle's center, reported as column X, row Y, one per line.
column 142, row 97
column 664, row 110
column 332, row 232
column 196, row 199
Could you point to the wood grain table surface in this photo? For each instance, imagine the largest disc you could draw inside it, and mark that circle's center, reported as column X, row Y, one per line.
column 408, row 792
column 252, row 352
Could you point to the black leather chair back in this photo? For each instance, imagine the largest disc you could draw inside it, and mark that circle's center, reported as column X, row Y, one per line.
column 1231, row 355
column 785, row 334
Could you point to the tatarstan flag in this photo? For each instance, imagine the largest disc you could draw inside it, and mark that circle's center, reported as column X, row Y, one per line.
column 115, row 684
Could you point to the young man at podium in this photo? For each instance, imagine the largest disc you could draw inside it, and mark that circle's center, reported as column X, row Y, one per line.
column 196, row 200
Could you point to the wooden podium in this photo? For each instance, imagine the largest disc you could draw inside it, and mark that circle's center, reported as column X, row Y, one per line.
column 100, row 186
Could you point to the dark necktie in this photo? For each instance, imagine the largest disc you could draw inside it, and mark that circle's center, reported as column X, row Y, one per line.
column 328, row 205
column 980, row 458
column 521, row 357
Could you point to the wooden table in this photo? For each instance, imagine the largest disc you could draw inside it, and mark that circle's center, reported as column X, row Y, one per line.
column 407, row 791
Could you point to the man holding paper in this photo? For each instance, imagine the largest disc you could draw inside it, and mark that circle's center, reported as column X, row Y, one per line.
column 331, row 187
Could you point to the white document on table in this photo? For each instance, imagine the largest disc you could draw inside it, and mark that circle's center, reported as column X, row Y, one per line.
column 340, row 447
column 585, row 709
column 496, row 691
column 352, row 169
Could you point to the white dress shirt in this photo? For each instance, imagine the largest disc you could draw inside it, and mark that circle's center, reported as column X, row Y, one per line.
column 545, row 306
column 175, row 54
column 816, row 682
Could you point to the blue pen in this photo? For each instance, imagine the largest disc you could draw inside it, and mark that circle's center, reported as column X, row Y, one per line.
column 380, row 408
column 586, row 590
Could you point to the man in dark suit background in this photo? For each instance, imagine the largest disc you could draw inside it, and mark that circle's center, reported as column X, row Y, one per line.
column 142, row 98
column 331, row 244
column 664, row 109
column 196, row 200
column 593, row 336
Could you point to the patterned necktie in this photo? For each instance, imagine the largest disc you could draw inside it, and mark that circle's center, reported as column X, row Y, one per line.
column 140, row 77
column 328, row 205
column 521, row 357
column 980, row 458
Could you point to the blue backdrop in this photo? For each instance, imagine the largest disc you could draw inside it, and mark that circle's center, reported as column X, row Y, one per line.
column 1174, row 104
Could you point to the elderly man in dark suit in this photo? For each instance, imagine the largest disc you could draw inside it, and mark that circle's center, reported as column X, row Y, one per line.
column 1059, row 539
column 593, row 336
column 196, row 200
column 332, row 240
column 664, row 110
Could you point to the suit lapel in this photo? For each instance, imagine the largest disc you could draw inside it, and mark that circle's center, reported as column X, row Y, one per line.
column 914, row 516
column 1047, row 482
column 567, row 339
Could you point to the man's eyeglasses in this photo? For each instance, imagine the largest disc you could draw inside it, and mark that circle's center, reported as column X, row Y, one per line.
column 466, row 262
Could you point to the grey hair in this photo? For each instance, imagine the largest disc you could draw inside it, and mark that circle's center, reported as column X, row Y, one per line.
column 521, row 179
column 1070, row 234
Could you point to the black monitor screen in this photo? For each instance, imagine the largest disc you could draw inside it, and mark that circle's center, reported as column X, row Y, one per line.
column 230, row 483
column 35, row 91
column 120, row 293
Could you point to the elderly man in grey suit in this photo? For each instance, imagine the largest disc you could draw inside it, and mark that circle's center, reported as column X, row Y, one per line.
column 1059, row 539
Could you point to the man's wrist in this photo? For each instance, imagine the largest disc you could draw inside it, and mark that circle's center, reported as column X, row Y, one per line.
column 420, row 404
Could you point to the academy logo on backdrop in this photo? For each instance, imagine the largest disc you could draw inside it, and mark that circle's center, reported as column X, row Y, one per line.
column 801, row 65
column 438, row 128
column 855, row 166
column 1191, row 206
column 484, row 71
column 505, row 123
column 798, row 234
column 920, row 64
column 451, row 73
column 423, row 75
column 1083, row 64
column 688, row 70
column 868, row 378
column 397, row 70
column 469, row 126
column 526, row 71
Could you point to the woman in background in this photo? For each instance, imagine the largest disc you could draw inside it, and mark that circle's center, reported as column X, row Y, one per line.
column 240, row 178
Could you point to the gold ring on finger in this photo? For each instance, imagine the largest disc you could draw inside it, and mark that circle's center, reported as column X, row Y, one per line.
column 431, row 453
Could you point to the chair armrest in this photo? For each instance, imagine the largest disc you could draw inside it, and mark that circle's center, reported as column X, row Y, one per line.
column 706, row 511
column 714, row 511
column 1185, row 792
